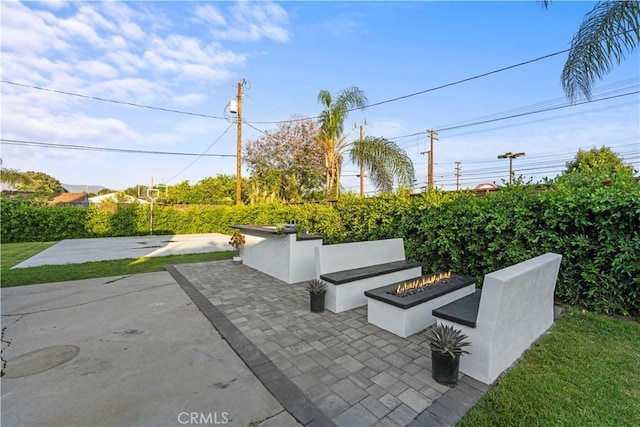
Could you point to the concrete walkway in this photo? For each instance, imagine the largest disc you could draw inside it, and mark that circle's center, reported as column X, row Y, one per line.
column 74, row 251
column 122, row 351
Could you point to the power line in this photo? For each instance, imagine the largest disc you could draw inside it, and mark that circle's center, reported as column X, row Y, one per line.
column 116, row 150
column 200, row 156
column 432, row 89
column 578, row 113
column 457, row 82
column 444, row 129
column 537, row 111
column 130, row 104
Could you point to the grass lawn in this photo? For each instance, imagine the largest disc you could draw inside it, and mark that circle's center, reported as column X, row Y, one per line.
column 585, row 373
column 14, row 253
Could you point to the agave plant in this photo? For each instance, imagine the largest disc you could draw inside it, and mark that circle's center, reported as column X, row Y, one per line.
column 447, row 340
column 316, row 286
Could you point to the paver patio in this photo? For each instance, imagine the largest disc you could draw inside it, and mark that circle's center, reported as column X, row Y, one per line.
column 324, row 368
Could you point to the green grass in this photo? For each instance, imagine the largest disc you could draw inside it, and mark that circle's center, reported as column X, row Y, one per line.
column 14, row 253
column 585, row 373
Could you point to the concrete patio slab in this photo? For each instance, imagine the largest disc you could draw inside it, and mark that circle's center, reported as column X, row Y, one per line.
column 74, row 251
column 146, row 356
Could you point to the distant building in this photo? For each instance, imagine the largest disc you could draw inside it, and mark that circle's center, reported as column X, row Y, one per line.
column 486, row 186
column 80, row 200
column 116, row 198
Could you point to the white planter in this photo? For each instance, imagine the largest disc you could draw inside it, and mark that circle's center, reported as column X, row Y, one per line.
column 237, row 260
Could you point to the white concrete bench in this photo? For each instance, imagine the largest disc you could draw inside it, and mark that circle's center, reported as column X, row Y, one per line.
column 350, row 269
column 514, row 307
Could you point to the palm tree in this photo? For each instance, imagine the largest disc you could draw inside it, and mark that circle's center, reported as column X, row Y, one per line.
column 331, row 136
column 384, row 161
column 13, row 177
column 608, row 32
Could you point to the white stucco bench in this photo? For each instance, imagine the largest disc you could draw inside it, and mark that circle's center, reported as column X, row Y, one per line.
column 350, row 269
column 514, row 307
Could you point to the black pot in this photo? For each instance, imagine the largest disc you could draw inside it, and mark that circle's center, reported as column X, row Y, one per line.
column 317, row 302
column 444, row 368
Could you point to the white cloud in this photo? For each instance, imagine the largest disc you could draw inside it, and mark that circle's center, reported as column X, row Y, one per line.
column 187, row 57
column 209, row 14
column 131, row 30
column 129, row 89
column 28, row 32
column 64, row 128
column 53, row 4
column 343, row 26
column 92, row 18
column 189, row 99
column 127, row 62
column 97, row 69
column 255, row 21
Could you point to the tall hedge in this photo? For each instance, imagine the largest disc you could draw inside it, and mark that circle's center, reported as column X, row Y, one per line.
column 595, row 228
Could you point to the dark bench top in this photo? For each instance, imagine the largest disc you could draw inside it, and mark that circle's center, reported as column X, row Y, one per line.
column 463, row 311
column 346, row 276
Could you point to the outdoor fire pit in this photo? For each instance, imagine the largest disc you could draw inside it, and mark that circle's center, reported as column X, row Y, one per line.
column 404, row 308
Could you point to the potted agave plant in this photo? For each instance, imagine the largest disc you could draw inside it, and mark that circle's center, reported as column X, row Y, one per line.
column 317, row 291
column 447, row 345
column 237, row 242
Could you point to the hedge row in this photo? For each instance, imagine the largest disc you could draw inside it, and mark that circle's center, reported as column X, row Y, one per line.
column 596, row 229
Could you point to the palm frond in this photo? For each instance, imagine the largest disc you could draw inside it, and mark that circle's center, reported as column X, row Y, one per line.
column 385, row 162
column 607, row 33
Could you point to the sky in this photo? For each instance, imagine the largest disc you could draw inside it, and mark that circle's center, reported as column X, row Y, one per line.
column 188, row 57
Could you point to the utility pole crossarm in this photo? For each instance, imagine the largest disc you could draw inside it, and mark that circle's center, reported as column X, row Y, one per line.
column 509, row 155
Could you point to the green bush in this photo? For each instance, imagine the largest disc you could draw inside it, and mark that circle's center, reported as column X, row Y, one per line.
column 27, row 221
column 595, row 228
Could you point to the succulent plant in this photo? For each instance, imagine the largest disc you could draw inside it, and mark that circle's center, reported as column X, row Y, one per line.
column 316, row 286
column 447, row 340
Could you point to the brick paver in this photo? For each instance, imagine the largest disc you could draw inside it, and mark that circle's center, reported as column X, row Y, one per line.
column 346, row 369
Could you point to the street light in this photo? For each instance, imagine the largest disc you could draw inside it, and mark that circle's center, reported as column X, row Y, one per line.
column 509, row 155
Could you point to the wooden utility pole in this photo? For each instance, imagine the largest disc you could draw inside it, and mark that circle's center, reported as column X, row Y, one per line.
column 457, row 176
column 150, row 195
column 239, row 147
column 361, row 165
column 432, row 137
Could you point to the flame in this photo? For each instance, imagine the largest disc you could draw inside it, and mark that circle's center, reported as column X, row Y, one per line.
column 422, row 282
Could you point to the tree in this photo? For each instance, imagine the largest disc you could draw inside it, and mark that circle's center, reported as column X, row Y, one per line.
column 384, row 161
column 285, row 164
column 40, row 182
column 597, row 166
column 13, row 177
column 218, row 190
column 608, row 32
column 331, row 136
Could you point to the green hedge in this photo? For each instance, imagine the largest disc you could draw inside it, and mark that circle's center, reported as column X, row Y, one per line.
column 596, row 229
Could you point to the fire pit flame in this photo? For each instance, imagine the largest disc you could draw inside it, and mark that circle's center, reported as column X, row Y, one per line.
column 422, row 282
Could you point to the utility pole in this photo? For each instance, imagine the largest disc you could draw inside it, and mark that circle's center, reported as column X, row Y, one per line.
column 432, row 137
column 509, row 155
column 458, row 176
column 428, row 153
column 239, row 145
column 150, row 195
column 361, row 165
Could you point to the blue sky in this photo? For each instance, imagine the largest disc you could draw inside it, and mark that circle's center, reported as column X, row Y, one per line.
column 189, row 56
